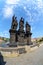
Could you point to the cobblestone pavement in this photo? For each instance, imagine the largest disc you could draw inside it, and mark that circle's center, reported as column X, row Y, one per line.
column 32, row 58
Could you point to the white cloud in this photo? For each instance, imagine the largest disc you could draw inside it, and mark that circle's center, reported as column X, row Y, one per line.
column 40, row 3
column 28, row 13
column 26, row 4
column 8, row 8
column 12, row 1
column 7, row 11
column 34, row 9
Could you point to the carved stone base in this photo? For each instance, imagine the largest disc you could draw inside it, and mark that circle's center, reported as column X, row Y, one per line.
column 21, row 44
column 13, row 45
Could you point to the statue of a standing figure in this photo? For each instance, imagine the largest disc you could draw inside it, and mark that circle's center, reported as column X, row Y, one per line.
column 14, row 23
column 27, row 27
column 21, row 24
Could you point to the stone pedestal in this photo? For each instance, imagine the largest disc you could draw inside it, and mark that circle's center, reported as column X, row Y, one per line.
column 28, row 38
column 21, row 38
column 12, row 37
column 28, row 33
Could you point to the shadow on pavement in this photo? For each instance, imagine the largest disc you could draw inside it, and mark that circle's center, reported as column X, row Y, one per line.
column 2, row 62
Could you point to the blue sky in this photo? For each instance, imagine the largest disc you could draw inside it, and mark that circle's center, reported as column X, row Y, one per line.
column 30, row 10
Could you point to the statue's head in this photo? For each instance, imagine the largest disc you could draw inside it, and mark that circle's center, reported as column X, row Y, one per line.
column 22, row 19
column 27, row 24
column 15, row 18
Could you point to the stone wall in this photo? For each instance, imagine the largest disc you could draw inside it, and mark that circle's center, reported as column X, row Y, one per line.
column 12, row 52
